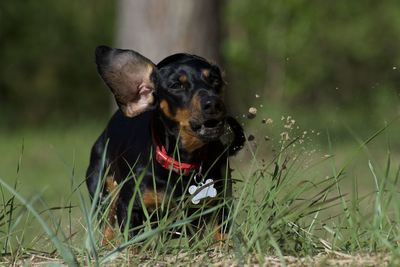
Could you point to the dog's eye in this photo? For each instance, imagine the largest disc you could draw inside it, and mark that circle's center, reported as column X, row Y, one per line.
column 215, row 82
column 213, row 79
column 177, row 85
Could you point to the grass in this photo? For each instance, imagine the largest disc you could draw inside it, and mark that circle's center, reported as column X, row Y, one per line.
column 300, row 204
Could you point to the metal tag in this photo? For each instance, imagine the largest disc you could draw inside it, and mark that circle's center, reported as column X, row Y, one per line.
column 202, row 190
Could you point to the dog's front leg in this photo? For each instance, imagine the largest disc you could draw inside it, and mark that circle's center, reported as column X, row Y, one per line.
column 109, row 228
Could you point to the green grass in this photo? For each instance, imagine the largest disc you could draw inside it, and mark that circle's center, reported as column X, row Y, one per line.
column 293, row 200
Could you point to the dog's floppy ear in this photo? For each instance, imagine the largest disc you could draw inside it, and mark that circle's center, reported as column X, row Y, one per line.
column 130, row 76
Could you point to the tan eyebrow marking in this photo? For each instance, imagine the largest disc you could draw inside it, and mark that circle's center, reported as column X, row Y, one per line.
column 205, row 73
column 183, row 78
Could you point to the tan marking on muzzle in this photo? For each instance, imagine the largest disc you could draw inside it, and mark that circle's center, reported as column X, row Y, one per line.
column 189, row 139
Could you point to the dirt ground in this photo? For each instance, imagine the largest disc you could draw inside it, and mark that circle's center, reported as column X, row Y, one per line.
column 215, row 259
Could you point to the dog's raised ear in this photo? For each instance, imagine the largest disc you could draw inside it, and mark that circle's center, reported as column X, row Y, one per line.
column 130, row 76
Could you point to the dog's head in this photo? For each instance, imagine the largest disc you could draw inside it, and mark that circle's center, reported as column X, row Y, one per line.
column 185, row 88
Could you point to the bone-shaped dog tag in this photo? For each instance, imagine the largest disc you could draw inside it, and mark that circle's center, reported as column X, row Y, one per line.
column 208, row 190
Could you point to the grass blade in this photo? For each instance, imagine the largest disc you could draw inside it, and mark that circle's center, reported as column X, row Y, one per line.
column 64, row 250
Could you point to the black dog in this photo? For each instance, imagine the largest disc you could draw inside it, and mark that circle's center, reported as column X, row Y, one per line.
column 167, row 132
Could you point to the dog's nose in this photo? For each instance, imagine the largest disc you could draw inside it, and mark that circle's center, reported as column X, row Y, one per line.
column 212, row 105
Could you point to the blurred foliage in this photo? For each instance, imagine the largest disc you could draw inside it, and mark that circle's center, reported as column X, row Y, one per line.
column 340, row 56
column 47, row 70
column 315, row 54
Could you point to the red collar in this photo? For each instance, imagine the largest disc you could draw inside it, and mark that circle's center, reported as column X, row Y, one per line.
column 167, row 161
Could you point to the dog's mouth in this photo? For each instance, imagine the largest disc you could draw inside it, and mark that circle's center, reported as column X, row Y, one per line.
column 208, row 130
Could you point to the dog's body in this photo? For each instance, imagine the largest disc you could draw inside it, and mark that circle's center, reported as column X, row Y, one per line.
column 169, row 111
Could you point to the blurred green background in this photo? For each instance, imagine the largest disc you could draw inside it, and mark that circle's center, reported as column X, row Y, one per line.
column 332, row 65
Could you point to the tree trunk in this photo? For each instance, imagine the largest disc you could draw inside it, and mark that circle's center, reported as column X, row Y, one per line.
column 159, row 28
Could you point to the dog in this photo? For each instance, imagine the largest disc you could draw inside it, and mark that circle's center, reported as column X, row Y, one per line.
column 165, row 139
